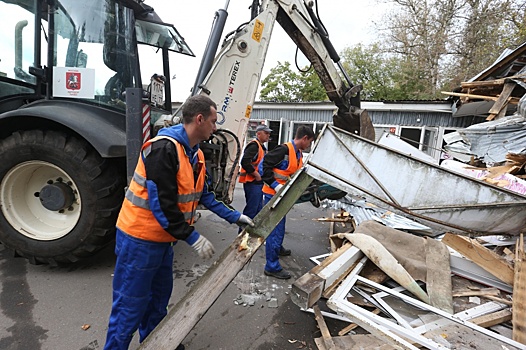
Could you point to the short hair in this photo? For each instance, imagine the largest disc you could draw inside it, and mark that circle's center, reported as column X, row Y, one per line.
column 198, row 104
column 304, row 130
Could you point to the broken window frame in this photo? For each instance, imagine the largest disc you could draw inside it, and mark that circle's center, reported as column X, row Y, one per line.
column 410, row 334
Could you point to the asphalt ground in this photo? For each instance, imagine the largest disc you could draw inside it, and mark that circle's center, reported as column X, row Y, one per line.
column 67, row 308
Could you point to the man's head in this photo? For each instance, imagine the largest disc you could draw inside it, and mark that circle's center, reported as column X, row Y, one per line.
column 200, row 116
column 304, row 137
column 263, row 133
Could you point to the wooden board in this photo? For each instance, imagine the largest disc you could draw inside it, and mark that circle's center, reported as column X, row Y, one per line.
column 325, row 334
column 356, row 341
column 183, row 317
column 499, row 107
column 438, row 276
column 481, row 255
column 490, row 83
column 519, row 293
column 493, row 319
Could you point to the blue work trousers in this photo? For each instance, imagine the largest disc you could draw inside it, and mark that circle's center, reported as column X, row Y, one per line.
column 253, row 198
column 273, row 243
column 142, row 285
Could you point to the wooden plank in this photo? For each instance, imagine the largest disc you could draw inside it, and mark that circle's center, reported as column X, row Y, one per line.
column 326, row 335
column 356, row 341
column 329, row 289
column 490, row 83
column 512, row 100
column 472, row 96
column 519, row 293
column 476, row 292
column 501, row 103
column 180, row 320
column 499, row 300
column 333, row 219
column 438, row 275
column 331, row 233
column 493, row 318
column 482, row 256
column 308, row 289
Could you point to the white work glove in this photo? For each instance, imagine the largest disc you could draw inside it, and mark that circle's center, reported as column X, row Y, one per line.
column 278, row 187
column 203, row 247
column 245, row 220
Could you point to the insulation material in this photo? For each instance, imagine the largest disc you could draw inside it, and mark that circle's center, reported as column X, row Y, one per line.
column 426, row 260
column 505, row 180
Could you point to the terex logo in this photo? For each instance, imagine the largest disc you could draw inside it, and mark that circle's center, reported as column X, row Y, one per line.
column 230, row 91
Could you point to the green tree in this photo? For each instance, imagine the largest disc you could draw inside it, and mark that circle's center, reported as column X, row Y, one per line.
column 282, row 84
column 443, row 42
column 383, row 75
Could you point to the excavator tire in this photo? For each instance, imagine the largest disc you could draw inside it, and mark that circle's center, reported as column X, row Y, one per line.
column 59, row 198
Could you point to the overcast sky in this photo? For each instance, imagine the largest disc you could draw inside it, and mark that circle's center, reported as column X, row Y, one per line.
column 347, row 22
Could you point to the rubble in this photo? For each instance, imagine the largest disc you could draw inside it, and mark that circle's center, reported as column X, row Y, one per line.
column 397, row 320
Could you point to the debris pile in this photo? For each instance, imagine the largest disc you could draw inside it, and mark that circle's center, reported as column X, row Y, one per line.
column 494, row 152
column 500, row 94
column 397, row 291
column 494, row 92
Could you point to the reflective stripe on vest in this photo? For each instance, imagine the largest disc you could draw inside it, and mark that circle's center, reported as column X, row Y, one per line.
column 282, row 176
column 243, row 175
column 136, row 217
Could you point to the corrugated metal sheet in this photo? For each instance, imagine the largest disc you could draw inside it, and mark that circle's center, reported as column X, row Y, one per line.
column 362, row 211
column 521, row 108
column 493, row 140
column 408, row 118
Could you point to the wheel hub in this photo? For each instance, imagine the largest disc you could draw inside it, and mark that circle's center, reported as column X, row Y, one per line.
column 56, row 196
column 40, row 200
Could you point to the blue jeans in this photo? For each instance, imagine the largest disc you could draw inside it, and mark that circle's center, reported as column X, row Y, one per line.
column 273, row 243
column 142, row 285
column 253, row 198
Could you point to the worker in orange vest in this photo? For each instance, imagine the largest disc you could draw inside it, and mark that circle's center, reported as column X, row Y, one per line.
column 277, row 167
column 158, row 210
column 249, row 176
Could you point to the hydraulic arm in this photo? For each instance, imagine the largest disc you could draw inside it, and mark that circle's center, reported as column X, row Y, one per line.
column 232, row 80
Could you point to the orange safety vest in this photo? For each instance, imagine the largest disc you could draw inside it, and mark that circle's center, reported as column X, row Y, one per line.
column 136, row 217
column 282, row 176
column 243, row 175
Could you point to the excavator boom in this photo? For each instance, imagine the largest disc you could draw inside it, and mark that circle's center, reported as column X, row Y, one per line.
column 232, row 80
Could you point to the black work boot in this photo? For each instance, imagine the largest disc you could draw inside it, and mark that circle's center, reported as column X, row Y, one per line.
column 283, row 275
column 180, row 347
column 284, row 252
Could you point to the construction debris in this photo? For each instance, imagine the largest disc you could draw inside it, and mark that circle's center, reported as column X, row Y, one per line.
column 494, row 92
column 399, row 321
column 490, row 142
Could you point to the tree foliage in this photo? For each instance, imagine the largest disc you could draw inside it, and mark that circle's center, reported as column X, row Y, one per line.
column 444, row 42
column 426, row 46
column 284, row 85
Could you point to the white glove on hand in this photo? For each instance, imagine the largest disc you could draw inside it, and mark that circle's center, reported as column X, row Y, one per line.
column 278, row 187
column 203, row 247
column 245, row 220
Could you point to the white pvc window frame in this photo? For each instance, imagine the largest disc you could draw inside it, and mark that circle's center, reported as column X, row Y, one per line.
column 424, row 306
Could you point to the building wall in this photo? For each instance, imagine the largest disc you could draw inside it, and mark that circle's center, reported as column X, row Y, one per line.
column 421, row 123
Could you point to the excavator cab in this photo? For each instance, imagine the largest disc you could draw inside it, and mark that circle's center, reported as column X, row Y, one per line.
column 65, row 66
column 88, row 51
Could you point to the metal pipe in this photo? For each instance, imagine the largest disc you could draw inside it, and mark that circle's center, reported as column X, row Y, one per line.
column 19, row 27
column 211, row 47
